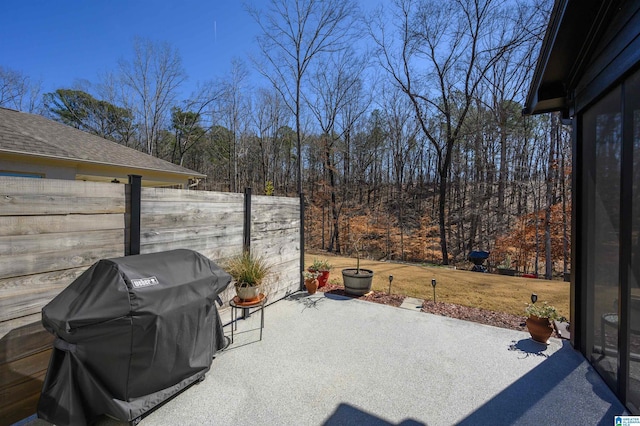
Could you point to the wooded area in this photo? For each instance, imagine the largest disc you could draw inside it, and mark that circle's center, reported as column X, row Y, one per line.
column 402, row 125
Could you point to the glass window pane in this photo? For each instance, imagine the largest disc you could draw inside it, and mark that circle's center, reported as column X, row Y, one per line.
column 632, row 92
column 602, row 135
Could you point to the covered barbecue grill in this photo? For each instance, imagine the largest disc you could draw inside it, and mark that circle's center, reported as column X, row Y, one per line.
column 478, row 258
column 130, row 333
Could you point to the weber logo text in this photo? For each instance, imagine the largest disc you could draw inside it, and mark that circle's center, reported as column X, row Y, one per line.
column 144, row 282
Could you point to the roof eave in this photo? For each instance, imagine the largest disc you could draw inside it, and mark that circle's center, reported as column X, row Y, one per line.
column 534, row 102
column 101, row 163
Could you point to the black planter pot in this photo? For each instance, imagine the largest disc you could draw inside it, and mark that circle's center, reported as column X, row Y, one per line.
column 504, row 271
column 357, row 283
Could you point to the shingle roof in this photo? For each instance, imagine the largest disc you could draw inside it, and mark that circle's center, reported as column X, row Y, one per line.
column 38, row 136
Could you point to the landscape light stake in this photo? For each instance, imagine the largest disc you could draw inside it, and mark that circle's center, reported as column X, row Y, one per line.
column 390, row 279
column 433, row 284
column 534, row 298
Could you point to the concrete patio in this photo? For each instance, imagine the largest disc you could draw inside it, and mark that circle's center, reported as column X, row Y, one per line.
column 327, row 360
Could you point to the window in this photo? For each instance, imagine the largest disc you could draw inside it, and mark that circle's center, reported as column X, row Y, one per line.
column 20, row 174
column 632, row 292
column 610, row 238
column 602, row 142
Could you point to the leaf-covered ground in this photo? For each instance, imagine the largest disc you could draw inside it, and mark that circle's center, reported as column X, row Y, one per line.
column 483, row 316
column 373, row 296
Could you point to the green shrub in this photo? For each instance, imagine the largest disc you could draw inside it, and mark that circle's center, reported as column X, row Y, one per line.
column 543, row 310
column 320, row 265
column 248, row 269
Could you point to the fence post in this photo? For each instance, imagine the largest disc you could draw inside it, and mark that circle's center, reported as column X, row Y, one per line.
column 134, row 192
column 246, row 242
column 301, row 239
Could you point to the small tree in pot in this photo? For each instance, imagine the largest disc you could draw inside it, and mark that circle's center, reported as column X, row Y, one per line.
column 357, row 281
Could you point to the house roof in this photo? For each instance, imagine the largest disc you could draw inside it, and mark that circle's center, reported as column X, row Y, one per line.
column 37, row 136
column 573, row 31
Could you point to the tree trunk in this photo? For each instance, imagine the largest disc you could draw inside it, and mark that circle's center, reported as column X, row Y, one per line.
column 551, row 167
column 442, row 217
column 565, row 237
column 502, row 179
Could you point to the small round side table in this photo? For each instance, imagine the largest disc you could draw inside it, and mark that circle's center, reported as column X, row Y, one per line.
column 237, row 304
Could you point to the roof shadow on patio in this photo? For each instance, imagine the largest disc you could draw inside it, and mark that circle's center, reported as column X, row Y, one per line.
column 346, row 414
column 549, row 391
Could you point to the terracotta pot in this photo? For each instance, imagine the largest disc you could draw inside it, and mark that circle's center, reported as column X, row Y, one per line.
column 312, row 285
column 539, row 328
column 323, row 278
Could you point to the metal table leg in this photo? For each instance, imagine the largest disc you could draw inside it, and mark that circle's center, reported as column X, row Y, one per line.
column 246, row 313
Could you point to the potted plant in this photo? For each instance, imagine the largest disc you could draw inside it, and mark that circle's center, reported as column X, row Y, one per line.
column 322, row 267
column 539, row 321
column 357, row 281
column 310, row 281
column 248, row 271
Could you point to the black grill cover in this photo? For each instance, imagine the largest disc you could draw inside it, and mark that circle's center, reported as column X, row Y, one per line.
column 478, row 257
column 130, row 333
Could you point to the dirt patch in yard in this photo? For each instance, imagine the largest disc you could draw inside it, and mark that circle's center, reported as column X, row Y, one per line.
column 374, row 296
column 482, row 316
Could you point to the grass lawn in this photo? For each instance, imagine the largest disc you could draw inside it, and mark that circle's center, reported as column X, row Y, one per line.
column 488, row 291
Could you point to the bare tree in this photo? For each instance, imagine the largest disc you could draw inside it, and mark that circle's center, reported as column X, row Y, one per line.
column 111, row 89
column 402, row 132
column 443, row 52
column 269, row 116
column 551, row 179
column 232, row 111
column 18, row 91
column 294, row 33
column 337, row 92
column 503, row 93
column 565, row 193
column 153, row 75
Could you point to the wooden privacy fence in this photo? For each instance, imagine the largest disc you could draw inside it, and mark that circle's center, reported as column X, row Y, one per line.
column 53, row 230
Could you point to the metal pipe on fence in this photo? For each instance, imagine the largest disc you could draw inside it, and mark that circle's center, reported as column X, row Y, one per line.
column 133, row 201
column 246, row 229
column 301, row 239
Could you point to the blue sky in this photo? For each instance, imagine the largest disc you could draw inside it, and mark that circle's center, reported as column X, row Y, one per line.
column 59, row 41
